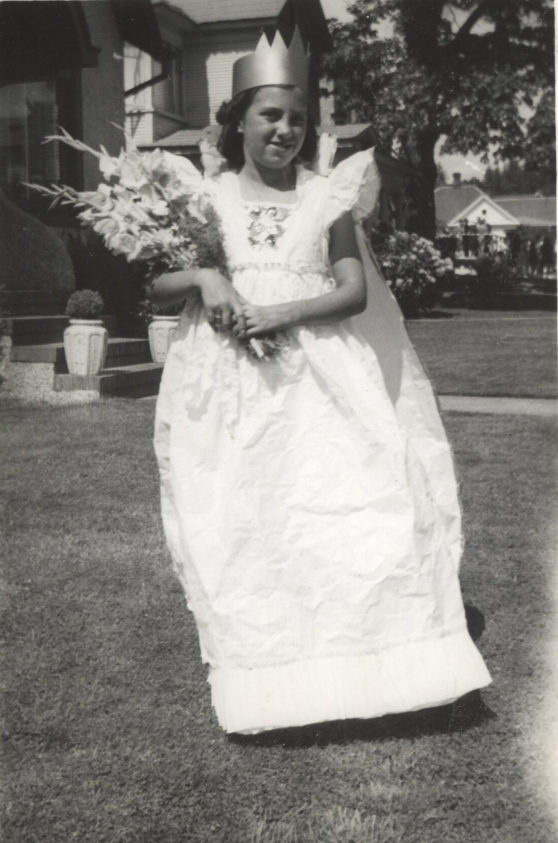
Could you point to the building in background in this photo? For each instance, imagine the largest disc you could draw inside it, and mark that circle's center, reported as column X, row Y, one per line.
column 459, row 203
column 61, row 64
column 205, row 38
column 523, row 227
column 533, row 211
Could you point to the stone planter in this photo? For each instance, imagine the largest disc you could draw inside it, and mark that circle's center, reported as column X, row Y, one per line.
column 85, row 346
column 161, row 334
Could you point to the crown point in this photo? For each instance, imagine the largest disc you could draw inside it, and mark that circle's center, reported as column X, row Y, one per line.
column 275, row 63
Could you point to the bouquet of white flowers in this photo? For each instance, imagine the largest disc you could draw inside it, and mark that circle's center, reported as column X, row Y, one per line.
column 151, row 208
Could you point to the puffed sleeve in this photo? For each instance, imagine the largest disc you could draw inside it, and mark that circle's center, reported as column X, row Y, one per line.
column 353, row 185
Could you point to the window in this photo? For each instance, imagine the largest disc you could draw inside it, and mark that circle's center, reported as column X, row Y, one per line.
column 29, row 112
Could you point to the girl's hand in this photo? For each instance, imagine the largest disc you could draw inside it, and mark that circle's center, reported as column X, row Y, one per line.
column 261, row 320
column 223, row 305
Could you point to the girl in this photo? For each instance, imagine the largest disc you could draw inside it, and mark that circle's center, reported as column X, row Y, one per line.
column 309, row 499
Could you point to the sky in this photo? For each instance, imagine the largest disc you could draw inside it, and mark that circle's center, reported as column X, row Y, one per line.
column 469, row 166
column 336, row 9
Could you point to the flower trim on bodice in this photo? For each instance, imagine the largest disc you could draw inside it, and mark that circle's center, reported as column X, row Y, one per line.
column 266, row 225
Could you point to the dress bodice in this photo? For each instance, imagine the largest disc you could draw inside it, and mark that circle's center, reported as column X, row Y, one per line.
column 279, row 252
column 257, row 231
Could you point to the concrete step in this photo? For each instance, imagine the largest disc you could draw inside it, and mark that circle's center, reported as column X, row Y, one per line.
column 44, row 353
column 122, row 351
column 135, row 381
column 32, row 330
column 39, row 330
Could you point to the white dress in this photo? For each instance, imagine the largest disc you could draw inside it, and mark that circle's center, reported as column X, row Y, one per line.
column 309, row 501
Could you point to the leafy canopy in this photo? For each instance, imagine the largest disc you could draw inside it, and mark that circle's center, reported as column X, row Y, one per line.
column 513, row 178
column 480, row 73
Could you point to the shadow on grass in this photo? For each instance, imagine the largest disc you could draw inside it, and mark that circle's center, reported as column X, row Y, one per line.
column 431, row 314
column 475, row 621
column 510, row 300
column 465, row 713
column 500, row 300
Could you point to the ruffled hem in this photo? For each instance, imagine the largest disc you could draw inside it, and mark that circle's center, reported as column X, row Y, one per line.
column 416, row 675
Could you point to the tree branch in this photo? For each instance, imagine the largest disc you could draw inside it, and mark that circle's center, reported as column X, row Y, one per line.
column 467, row 25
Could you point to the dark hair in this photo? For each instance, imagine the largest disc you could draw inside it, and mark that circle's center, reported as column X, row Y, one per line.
column 230, row 143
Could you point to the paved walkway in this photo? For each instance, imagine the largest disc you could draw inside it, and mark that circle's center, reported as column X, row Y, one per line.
column 482, row 404
column 511, row 406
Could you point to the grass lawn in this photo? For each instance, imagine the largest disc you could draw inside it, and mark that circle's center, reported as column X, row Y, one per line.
column 489, row 353
column 108, row 730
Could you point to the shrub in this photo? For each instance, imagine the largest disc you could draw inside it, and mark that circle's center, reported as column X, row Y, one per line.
column 494, row 271
column 147, row 310
column 85, row 304
column 413, row 268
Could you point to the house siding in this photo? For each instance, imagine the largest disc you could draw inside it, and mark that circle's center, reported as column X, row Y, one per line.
column 140, row 125
column 138, row 67
column 209, row 61
column 219, row 71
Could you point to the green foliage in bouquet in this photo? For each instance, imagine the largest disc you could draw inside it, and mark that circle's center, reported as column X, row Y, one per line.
column 413, row 268
column 85, row 304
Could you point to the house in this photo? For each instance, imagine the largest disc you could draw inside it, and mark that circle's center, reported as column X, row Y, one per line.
column 456, row 201
column 61, row 65
column 537, row 213
column 459, row 203
column 205, row 38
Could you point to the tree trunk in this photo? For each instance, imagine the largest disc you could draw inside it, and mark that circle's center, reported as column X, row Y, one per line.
column 422, row 219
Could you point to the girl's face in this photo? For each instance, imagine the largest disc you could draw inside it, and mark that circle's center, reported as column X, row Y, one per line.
column 274, row 127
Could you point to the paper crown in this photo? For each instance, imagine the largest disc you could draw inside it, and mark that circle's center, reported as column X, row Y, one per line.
column 273, row 64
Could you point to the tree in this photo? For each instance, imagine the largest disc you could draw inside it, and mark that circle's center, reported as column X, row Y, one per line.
column 441, row 178
column 514, row 178
column 540, row 146
column 471, row 72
